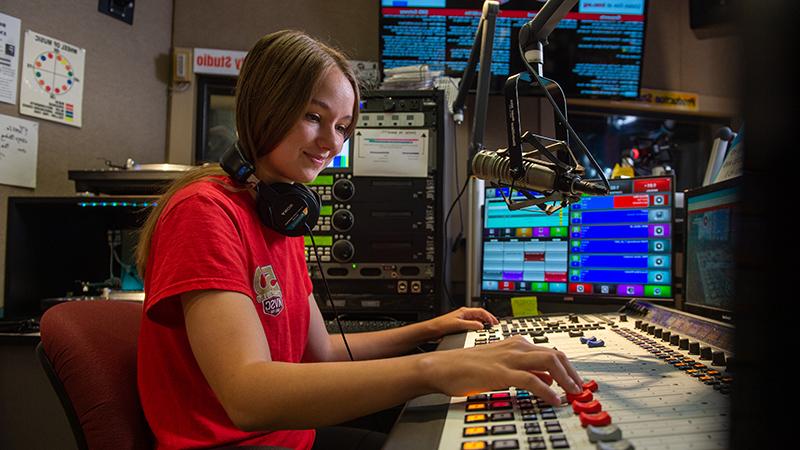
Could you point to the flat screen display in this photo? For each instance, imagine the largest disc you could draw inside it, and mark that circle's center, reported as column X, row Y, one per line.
column 613, row 246
column 596, row 51
column 711, row 234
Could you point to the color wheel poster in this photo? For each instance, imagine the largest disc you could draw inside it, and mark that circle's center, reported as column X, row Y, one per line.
column 52, row 80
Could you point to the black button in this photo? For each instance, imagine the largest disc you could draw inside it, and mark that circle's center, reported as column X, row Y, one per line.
column 504, row 429
column 505, row 444
column 497, row 417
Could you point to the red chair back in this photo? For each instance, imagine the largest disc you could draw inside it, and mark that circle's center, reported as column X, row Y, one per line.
column 88, row 350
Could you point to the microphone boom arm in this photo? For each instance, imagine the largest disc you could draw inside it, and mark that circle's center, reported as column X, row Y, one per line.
column 484, row 35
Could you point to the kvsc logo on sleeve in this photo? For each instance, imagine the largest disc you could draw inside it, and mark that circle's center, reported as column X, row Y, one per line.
column 268, row 291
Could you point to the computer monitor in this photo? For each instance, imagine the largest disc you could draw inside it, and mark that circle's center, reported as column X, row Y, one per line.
column 342, row 160
column 711, row 234
column 596, row 51
column 603, row 248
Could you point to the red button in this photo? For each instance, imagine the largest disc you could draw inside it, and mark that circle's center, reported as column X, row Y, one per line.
column 585, row 396
column 500, row 405
column 590, row 407
column 500, row 396
column 590, row 385
column 600, row 419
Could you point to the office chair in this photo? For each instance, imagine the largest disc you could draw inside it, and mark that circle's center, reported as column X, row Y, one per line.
column 88, row 351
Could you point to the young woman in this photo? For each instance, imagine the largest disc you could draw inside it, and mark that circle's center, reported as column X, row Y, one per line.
column 233, row 350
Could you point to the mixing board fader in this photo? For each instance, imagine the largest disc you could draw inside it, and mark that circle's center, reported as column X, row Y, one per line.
column 654, row 379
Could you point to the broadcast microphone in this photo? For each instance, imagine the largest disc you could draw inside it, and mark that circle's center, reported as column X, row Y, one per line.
column 538, row 175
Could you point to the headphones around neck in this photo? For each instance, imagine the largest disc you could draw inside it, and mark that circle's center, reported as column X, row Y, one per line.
column 287, row 208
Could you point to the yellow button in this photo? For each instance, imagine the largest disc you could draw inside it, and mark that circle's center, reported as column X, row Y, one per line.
column 476, row 407
column 477, row 445
column 475, row 431
column 475, row 418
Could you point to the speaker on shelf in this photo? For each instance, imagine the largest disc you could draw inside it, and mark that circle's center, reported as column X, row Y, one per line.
column 712, row 18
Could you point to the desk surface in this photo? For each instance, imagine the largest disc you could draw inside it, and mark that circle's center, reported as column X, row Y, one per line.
column 421, row 422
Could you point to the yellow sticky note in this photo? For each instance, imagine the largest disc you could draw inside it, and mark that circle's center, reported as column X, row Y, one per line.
column 524, row 306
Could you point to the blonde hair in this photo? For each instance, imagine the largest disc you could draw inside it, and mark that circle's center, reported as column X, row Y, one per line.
column 277, row 79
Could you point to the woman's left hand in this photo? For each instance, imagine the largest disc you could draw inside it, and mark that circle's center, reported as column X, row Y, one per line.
column 462, row 319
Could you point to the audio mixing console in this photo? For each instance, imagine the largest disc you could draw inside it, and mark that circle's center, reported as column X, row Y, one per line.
column 655, row 378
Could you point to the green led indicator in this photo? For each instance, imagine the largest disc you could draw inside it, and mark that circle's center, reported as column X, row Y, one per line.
column 326, row 210
column 354, row 266
column 322, row 180
column 322, row 241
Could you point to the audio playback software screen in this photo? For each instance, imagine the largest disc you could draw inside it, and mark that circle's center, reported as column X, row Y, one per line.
column 619, row 245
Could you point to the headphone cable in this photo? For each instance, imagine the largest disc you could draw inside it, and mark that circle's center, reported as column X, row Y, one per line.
column 328, row 292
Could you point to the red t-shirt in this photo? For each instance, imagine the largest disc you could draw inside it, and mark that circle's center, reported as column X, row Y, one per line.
column 209, row 237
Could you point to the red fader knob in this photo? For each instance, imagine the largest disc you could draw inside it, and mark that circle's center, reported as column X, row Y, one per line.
column 590, row 407
column 600, row 419
column 585, row 396
column 590, row 385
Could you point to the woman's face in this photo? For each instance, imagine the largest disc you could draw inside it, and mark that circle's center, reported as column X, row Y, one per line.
column 316, row 138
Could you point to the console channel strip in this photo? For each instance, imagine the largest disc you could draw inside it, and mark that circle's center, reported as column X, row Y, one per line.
column 654, row 378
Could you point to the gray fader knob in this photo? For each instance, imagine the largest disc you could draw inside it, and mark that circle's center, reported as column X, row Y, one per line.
column 604, row 434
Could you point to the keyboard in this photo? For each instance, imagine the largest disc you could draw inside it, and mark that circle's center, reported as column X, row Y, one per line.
column 361, row 326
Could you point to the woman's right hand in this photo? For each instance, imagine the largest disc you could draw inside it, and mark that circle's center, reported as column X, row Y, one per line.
column 511, row 362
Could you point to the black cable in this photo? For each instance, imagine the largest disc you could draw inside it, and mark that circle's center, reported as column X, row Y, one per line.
column 566, row 116
column 328, row 292
column 452, row 248
column 455, row 169
column 564, row 121
column 444, row 259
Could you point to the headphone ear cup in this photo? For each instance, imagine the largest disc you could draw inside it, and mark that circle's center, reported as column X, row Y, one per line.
column 317, row 201
column 313, row 202
column 287, row 208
